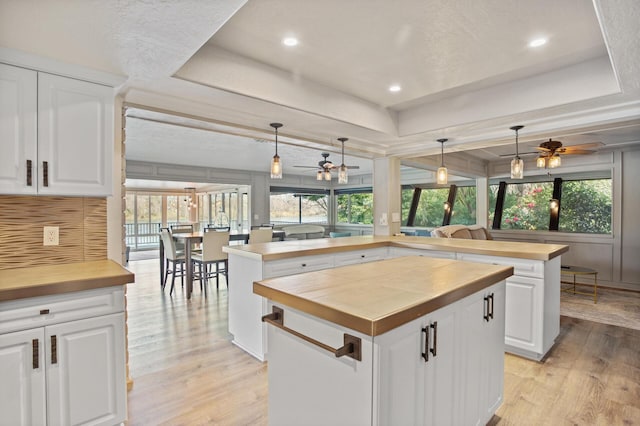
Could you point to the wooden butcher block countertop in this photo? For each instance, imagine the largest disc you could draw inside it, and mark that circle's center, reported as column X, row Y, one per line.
column 36, row 281
column 379, row 296
column 290, row 249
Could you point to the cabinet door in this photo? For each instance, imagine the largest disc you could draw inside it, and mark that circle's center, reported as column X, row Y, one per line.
column 524, row 313
column 481, row 331
column 360, row 256
column 442, row 371
column 75, row 137
column 22, row 372
column 18, row 131
column 86, row 371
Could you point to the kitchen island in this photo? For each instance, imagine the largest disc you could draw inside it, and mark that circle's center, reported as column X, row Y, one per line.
column 532, row 295
column 62, row 344
column 410, row 340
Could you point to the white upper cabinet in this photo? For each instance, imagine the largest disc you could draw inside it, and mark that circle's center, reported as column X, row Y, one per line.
column 58, row 133
column 18, row 129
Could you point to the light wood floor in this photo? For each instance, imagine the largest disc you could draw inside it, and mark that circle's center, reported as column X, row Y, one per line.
column 186, row 371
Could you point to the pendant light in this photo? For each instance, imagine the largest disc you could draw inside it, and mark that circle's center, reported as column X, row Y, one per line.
column 441, row 174
column 276, row 165
column 517, row 165
column 343, row 175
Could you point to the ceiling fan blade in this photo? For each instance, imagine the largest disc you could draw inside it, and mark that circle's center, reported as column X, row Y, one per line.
column 541, row 148
column 570, row 151
column 591, row 145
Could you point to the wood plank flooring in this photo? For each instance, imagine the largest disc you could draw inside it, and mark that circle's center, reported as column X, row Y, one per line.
column 186, row 371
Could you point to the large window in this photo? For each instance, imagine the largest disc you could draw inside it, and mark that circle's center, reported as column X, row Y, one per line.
column 294, row 205
column 585, row 205
column 355, row 206
column 143, row 216
column 464, row 206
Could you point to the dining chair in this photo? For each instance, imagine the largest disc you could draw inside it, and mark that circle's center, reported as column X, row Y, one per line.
column 260, row 236
column 217, row 228
column 212, row 254
column 174, row 257
column 186, row 228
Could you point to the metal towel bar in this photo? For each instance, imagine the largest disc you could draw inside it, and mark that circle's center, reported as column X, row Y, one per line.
column 352, row 344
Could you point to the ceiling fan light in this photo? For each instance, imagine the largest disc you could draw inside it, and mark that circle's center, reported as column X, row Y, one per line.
column 343, row 175
column 541, row 162
column 441, row 176
column 319, row 175
column 327, row 174
column 555, row 161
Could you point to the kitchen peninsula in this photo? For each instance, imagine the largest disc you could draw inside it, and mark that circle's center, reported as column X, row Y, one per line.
column 532, row 293
column 410, row 340
column 62, row 344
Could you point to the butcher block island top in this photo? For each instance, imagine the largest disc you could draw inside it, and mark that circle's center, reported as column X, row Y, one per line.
column 37, row 281
column 376, row 297
column 290, row 249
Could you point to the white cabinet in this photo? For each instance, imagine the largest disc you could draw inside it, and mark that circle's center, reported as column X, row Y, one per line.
column 298, row 265
column 451, row 371
column 56, row 134
column 63, row 371
column 443, row 368
column 533, row 303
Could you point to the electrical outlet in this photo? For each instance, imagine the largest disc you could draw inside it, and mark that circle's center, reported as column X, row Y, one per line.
column 51, row 237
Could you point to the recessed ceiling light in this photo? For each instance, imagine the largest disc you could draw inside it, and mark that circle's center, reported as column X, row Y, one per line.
column 395, row 88
column 290, row 41
column 537, row 42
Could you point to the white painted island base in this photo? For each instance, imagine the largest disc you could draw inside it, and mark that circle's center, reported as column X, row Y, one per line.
column 446, row 367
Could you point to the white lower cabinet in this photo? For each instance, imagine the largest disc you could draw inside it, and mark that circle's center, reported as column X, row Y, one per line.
column 66, row 373
column 445, row 368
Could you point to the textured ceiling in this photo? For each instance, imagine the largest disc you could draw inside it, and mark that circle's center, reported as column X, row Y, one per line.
column 465, row 69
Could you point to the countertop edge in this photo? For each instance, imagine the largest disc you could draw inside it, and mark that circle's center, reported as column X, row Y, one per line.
column 114, row 275
column 381, row 325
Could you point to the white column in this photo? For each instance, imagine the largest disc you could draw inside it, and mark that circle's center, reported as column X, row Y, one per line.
column 386, row 196
column 482, row 202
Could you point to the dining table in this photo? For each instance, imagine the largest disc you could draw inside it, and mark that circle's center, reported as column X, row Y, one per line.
column 189, row 239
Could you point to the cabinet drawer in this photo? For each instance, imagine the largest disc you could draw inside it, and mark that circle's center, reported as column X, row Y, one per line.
column 47, row 310
column 280, row 268
column 405, row 251
column 521, row 267
column 360, row 256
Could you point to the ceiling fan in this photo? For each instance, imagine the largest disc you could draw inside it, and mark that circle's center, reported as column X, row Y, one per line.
column 549, row 152
column 325, row 166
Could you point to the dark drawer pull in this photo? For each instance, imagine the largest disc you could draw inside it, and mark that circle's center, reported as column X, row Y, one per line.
column 486, row 309
column 304, row 264
column 352, row 344
column 491, row 306
column 434, row 349
column 35, row 362
column 44, row 311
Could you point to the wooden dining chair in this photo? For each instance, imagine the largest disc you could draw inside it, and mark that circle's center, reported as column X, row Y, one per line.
column 173, row 257
column 212, row 254
column 260, row 236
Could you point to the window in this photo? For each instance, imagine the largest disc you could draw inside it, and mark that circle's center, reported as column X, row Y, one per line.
column 431, row 207
column 295, row 205
column 585, row 205
column 355, row 206
column 464, row 206
column 143, row 216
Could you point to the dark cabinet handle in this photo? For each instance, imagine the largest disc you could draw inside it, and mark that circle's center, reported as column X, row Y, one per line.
column 425, row 354
column 486, row 308
column 362, row 256
column 491, row 306
column 54, row 350
column 29, row 173
column 35, row 361
column 304, row 264
column 434, row 349
column 45, row 173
